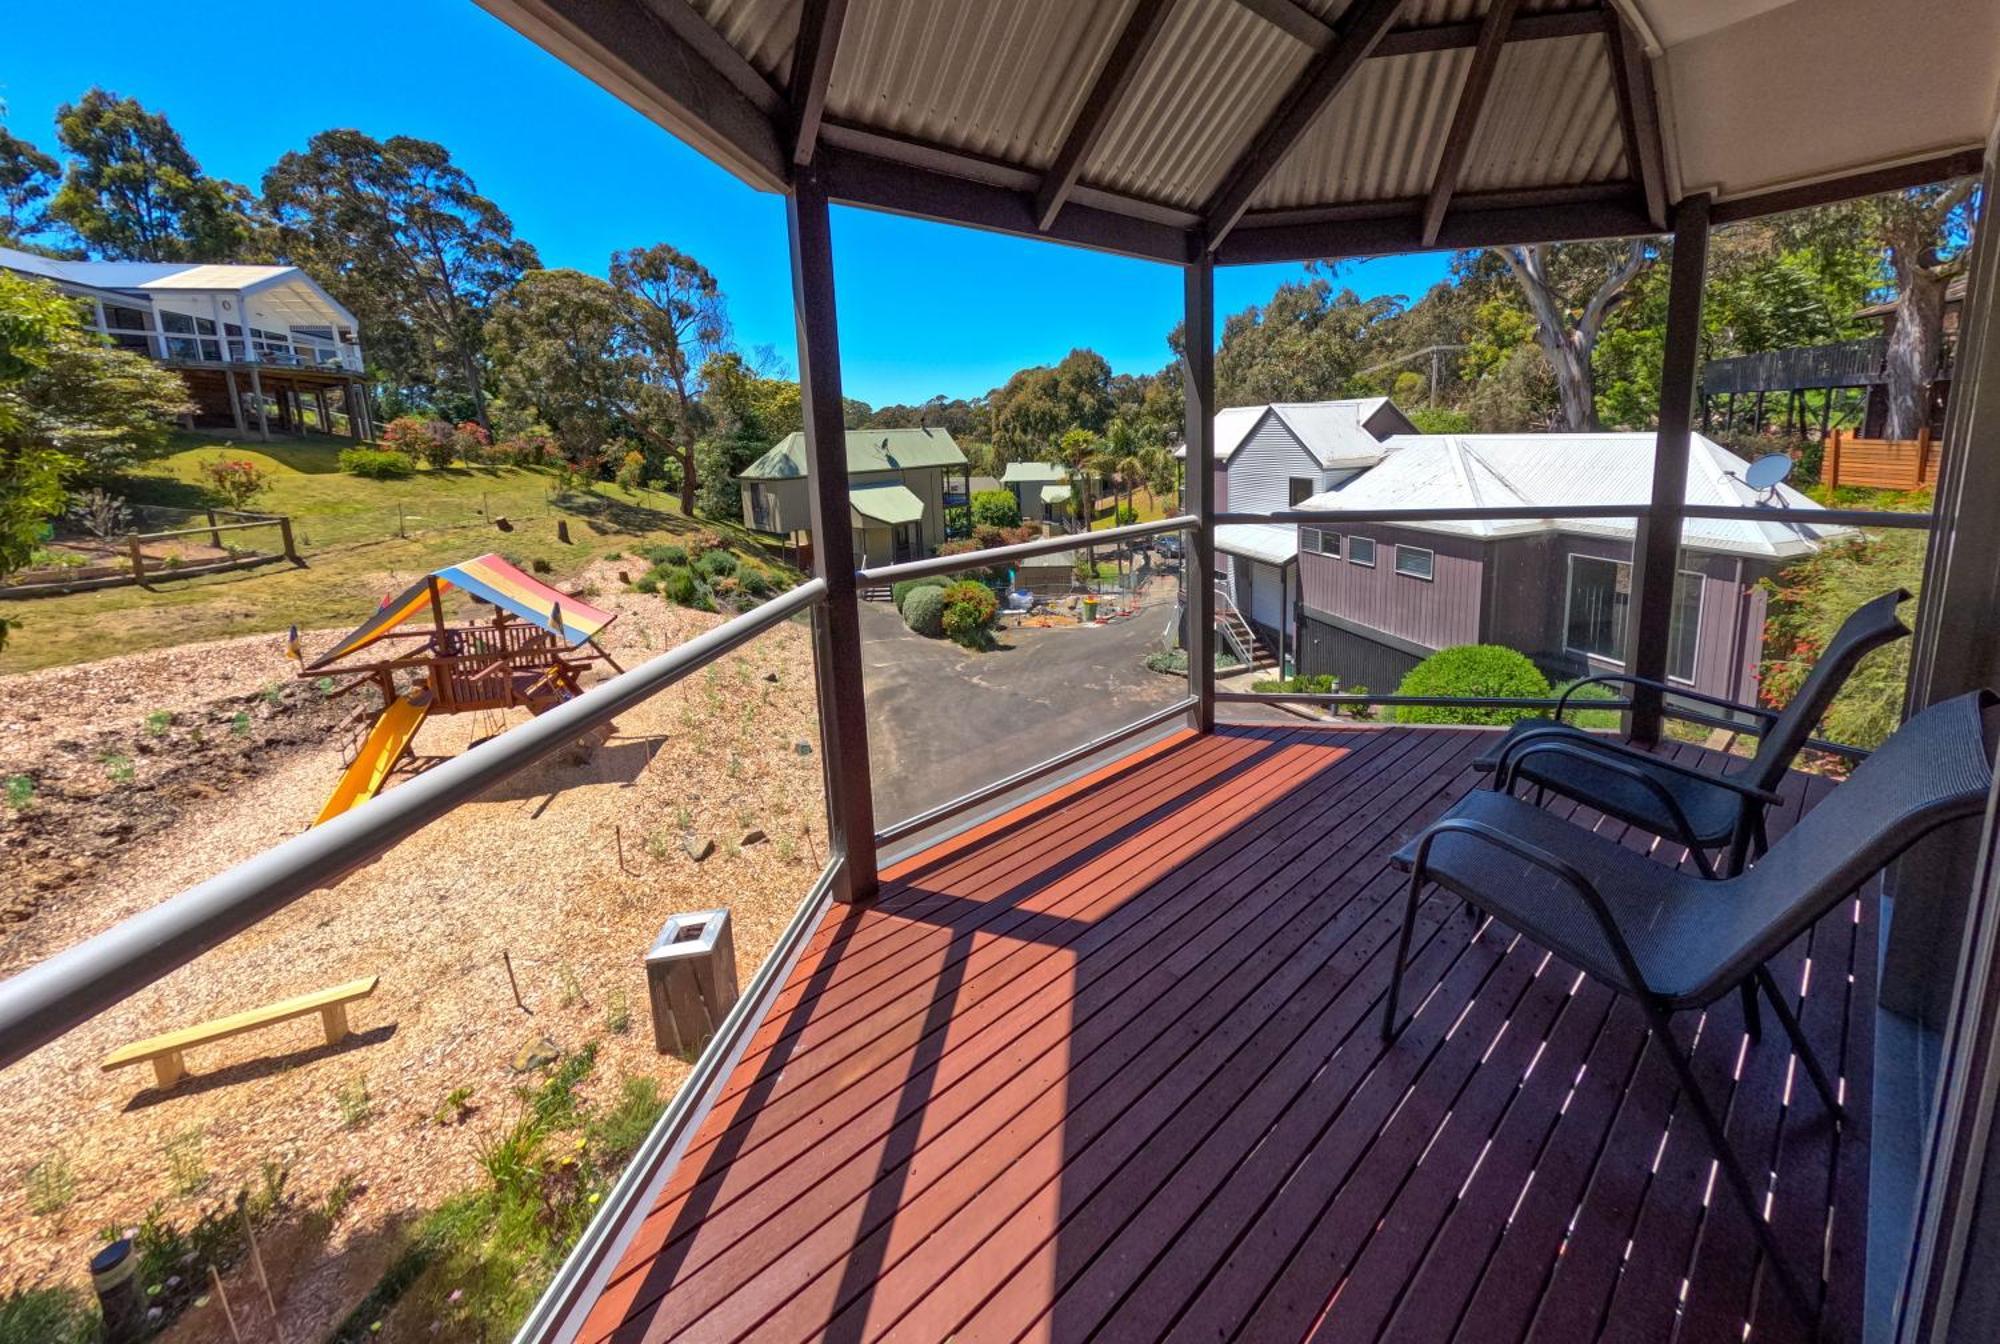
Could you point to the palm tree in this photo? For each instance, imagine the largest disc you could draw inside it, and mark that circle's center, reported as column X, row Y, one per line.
column 1125, row 458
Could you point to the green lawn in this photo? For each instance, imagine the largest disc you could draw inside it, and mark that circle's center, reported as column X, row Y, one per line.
column 348, row 529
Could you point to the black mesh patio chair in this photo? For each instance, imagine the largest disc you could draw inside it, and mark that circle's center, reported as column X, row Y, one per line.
column 1703, row 810
column 1673, row 940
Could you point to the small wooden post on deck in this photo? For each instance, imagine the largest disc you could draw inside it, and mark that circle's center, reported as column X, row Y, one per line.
column 691, row 981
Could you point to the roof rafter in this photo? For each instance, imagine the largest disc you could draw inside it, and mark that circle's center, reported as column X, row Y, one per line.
column 1311, row 30
column 1142, row 29
column 1638, row 114
column 1360, row 32
column 812, row 72
column 1465, row 119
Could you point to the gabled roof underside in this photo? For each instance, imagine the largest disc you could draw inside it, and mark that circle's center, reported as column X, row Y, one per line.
column 1272, row 129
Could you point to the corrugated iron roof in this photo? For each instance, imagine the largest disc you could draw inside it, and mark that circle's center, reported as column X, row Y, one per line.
column 1550, row 117
column 1453, row 471
column 867, row 450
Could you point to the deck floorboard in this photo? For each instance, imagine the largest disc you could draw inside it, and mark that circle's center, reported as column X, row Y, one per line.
column 1106, row 1068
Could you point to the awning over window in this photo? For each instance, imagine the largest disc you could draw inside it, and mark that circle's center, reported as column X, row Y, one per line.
column 893, row 505
column 1055, row 494
column 1273, row 543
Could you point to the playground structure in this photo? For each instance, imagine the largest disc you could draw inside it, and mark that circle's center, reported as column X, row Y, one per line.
column 530, row 654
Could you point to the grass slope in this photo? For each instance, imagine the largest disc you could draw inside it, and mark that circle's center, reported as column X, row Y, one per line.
column 348, row 529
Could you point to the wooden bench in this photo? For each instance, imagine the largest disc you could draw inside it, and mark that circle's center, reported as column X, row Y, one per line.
column 165, row 1051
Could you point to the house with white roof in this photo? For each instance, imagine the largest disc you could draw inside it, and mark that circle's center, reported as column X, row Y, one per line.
column 1043, row 491
column 1373, row 600
column 899, row 484
column 256, row 345
column 1272, row 457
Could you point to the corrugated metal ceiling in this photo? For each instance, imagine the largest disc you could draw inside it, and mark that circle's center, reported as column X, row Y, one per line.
column 1006, row 80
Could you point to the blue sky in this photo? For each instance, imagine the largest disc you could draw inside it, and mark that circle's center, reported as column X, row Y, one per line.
column 924, row 308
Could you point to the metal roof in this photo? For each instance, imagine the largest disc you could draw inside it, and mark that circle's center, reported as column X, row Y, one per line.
column 1055, row 494
column 1266, row 130
column 867, row 450
column 284, row 289
column 1026, row 473
column 1453, row 471
column 1273, row 543
column 891, row 504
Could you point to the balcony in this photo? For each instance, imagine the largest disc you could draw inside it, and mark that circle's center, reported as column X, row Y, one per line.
column 1106, row 1066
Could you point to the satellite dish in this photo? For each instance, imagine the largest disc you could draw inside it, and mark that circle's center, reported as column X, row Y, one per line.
column 1768, row 472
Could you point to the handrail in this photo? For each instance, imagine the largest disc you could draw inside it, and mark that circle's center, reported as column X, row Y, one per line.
column 1076, row 541
column 1517, row 513
column 48, row 999
column 580, row 1277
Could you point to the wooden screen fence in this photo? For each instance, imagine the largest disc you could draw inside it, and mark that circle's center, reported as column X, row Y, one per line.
column 1882, row 464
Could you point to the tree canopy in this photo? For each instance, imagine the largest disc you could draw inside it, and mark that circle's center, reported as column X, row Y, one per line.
column 28, row 178
column 133, row 191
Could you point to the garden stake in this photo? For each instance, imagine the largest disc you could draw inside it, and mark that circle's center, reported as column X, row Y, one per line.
column 223, row 1298
column 512, row 981
column 257, row 1263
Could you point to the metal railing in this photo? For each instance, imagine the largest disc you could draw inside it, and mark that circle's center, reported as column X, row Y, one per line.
column 52, row 997
column 1078, row 541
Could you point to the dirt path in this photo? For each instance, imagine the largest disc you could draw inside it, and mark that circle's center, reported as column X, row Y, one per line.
column 532, row 870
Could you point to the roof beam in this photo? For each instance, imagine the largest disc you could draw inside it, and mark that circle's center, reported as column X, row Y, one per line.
column 1487, row 220
column 1965, row 162
column 1465, row 118
column 812, row 72
column 1142, row 29
column 1362, row 29
column 1638, row 114
column 1309, row 29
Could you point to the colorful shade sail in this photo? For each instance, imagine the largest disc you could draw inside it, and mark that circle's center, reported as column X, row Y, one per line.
column 493, row 580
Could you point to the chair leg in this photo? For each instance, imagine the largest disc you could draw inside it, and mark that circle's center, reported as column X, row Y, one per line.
column 1392, row 1009
column 1823, row 1084
column 1753, row 1020
column 1732, row 1169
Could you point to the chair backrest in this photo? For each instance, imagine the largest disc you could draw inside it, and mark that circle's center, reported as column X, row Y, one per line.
column 1871, row 625
column 1935, row 769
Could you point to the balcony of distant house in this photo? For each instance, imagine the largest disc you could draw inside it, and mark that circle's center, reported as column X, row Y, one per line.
column 261, row 348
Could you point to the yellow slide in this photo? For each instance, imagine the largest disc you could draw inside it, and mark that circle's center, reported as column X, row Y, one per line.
column 386, row 740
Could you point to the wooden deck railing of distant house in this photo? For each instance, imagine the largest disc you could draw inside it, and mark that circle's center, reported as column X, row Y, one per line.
column 1882, row 464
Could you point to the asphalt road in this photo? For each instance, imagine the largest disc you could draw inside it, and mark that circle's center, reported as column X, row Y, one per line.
column 942, row 721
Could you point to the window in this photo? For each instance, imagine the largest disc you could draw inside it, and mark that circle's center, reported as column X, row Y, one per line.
column 1361, row 551
column 1301, row 490
column 1600, row 596
column 190, row 337
column 1315, row 541
column 1415, row 561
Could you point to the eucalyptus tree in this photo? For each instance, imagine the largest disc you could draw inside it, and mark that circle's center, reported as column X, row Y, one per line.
column 133, row 192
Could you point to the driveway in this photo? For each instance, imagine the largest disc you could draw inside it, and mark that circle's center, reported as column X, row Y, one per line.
column 942, row 721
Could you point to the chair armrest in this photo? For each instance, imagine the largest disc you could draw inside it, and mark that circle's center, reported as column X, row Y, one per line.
column 1767, row 797
column 1504, row 782
column 1768, row 716
column 1563, row 871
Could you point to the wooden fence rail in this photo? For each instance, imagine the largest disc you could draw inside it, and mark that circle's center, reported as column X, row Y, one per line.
column 1882, row 464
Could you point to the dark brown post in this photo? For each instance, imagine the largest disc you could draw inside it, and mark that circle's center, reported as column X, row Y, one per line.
column 291, row 546
column 843, row 714
column 1656, row 549
column 1198, row 571
column 214, row 536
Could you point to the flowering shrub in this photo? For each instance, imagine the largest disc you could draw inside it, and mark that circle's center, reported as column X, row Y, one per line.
column 471, row 442
column 523, row 450
column 632, row 469
column 430, row 441
column 969, row 610
column 236, row 480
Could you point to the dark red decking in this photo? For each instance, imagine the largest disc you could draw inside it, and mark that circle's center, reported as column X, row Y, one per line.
column 1107, row 1068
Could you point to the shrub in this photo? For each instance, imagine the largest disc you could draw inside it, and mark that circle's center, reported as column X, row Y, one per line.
column 48, row 1316
column 664, row 555
column 715, row 564
column 758, row 583
column 969, row 609
column 377, row 464
column 522, row 450
column 1471, row 669
column 1591, row 718
column 632, row 470
column 1321, row 684
column 236, row 480
column 101, row 514
column 679, row 585
column 432, row 440
column 923, row 611
column 907, row 586
column 996, row 508
column 471, row 441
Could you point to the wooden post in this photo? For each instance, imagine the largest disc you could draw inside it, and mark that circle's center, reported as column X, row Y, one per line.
column 1832, row 472
column 235, row 402
column 138, row 559
column 843, row 713
column 1198, row 570
column 1923, row 454
column 214, row 537
column 257, row 391
column 291, row 546
column 1656, row 547
column 691, row 981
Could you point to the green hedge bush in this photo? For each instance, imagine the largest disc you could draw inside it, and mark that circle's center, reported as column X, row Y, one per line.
column 377, row 464
column 969, row 611
column 1590, row 718
column 715, row 564
column 923, row 611
column 996, row 508
column 907, row 586
column 664, row 555
column 1471, row 669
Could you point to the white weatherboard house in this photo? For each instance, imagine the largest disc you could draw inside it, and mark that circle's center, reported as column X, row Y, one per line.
column 1043, row 491
column 899, row 483
column 1272, row 457
column 256, row 345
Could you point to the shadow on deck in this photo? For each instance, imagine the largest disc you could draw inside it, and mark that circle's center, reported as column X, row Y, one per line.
column 1107, row 1067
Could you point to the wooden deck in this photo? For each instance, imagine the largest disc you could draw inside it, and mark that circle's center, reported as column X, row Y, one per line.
column 1107, row 1068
